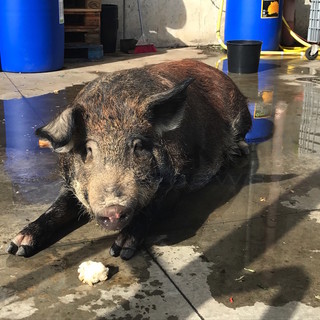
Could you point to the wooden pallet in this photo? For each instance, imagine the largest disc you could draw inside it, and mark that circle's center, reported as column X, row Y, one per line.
column 89, row 18
column 93, row 4
column 78, row 19
column 88, row 4
column 82, row 28
column 83, row 37
column 92, row 52
column 84, row 21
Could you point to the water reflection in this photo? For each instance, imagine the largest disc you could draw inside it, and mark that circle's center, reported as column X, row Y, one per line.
column 32, row 170
column 23, row 116
column 261, row 91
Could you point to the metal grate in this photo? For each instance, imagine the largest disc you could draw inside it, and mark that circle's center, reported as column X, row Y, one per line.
column 309, row 135
column 314, row 22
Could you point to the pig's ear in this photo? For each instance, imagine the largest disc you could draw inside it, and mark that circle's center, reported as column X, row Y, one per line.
column 165, row 110
column 60, row 130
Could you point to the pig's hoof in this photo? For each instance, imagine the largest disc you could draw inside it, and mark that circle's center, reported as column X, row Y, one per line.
column 12, row 248
column 125, row 246
column 22, row 245
column 124, row 253
column 115, row 250
column 129, row 239
column 127, row 253
column 23, row 251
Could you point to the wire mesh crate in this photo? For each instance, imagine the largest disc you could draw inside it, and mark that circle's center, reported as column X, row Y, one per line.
column 314, row 22
column 309, row 135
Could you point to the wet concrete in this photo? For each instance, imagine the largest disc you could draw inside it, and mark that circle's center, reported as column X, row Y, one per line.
column 244, row 247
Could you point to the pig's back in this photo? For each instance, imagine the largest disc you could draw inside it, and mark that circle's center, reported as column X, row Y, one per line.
column 215, row 121
column 212, row 88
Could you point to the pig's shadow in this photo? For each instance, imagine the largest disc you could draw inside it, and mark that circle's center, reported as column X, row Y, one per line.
column 183, row 216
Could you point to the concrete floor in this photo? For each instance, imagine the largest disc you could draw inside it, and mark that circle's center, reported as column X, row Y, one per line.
column 245, row 247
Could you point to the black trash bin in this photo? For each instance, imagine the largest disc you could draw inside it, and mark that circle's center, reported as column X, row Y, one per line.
column 109, row 27
column 243, row 56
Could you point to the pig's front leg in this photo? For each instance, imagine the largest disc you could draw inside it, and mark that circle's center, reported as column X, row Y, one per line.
column 42, row 232
column 131, row 237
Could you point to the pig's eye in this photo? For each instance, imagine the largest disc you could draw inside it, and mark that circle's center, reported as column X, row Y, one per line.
column 137, row 145
column 140, row 145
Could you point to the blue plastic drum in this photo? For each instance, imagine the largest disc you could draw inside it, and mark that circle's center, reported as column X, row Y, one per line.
column 31, row 35
column 254, row 20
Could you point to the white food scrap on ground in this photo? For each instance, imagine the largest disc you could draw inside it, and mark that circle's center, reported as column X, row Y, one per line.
column 91, row 272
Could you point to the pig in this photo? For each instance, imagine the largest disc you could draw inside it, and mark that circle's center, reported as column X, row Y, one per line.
column 131, row 138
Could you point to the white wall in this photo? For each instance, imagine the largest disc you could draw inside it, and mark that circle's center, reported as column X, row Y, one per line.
column 174, row 23
column 170, row 23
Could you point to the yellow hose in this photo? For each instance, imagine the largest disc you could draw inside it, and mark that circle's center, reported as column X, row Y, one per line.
column 294, row 35
column 285, row 50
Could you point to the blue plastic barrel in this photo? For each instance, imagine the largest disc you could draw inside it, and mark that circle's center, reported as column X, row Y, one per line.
column 254, row 20
column 31, row 35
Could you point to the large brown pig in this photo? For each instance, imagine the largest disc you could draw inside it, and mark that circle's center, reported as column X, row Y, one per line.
column 130, row 138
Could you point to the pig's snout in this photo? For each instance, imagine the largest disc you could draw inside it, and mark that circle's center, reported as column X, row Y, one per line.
column 114, row 217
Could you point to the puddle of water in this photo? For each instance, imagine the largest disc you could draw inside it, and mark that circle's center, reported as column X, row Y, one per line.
column 269, row 97
column 315, row 80
column 260, row 89
column 31, row 170
column 21, row 117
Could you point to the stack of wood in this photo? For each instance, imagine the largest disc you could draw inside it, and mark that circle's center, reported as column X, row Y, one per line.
column 82, row 29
